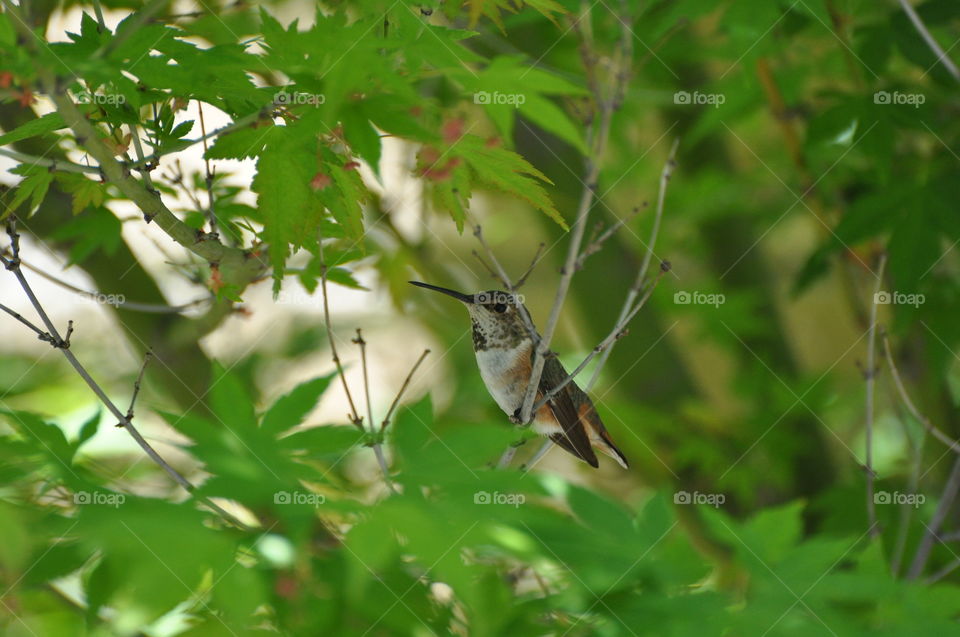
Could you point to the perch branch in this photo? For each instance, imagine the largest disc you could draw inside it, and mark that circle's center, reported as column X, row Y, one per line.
column 597, row 136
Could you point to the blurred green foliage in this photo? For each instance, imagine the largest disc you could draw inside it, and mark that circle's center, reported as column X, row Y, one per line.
column 815, row 136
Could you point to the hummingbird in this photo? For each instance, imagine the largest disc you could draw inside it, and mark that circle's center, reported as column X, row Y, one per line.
column 505, row 354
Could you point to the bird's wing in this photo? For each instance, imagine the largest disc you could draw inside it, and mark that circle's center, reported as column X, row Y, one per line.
column 574, row 437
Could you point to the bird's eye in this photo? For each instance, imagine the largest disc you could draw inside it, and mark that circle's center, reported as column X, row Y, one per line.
column 499, row 308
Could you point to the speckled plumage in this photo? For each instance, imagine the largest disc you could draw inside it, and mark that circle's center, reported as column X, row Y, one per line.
column 505, row 354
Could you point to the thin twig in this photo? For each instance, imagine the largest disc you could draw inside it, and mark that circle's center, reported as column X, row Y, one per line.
column 541, row 452
column 533, row 264
column 142, row 166
column 618, row 331
column 98, row 10
column 366, row 379
column 353, row 415
column 384, row 469
column 403, row 388
column 871, row 373
column 928, row 38
column 943, row 572
column 906, row 509
column 665, row 175
column 911, row 407
column 499, row 272
column 133, row 306
column 597, row 137
column 949, row 494
column 211, row 213
column 56, row 165
column 63, row 344
column 136, row 385
column 43, row 336
column 596, row 243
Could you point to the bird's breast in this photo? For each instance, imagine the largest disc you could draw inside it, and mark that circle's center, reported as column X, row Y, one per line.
column 506, row 372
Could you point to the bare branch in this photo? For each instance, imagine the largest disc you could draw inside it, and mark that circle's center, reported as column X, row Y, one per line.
column 533, row 264
column 665, row 175
column 596, row 242
column 911, row 407
column 63, row 345
column 353, row 415
column 366, row 379
column 933, row 44
column 618, row 331
column 943, row 572
column 53, row 164
column 500, row 273
column 142, row 166
column 540, row 453
column 403, row 388
column 949, row 494
column 136, row 385
column 496, row 270
column 871, row 373
column 43, row 336
column 133, row 306
column 211, row 213
column 489, row 268
column 597, row 137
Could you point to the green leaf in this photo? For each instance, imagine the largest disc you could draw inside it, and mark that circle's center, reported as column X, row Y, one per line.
column 290, row 209
column 290, row 409
column 229, row 400
column 34, row 186
column 46, row 124
column 507, row 171
column 96, row 229
column 89, row 429
column 243, row 143
column 326, row 442
column 45, row 438
column 362, row 137
column 86, row 192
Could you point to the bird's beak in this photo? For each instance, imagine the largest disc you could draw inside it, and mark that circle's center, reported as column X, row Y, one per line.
column 460, row 296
